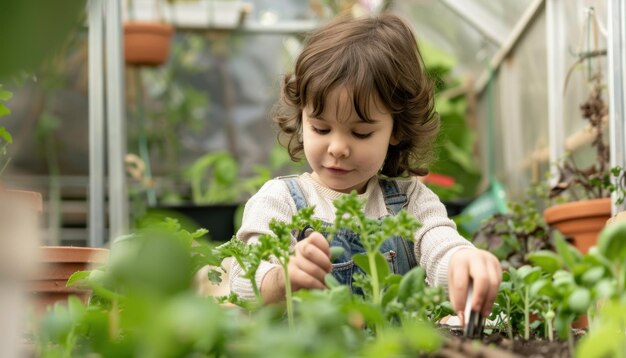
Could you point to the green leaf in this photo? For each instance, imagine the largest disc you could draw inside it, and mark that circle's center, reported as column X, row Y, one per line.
column 331, row 281
column 77, row 277
column 422, row 337
column 371, row 312
column 579, row 300
column 412, row 282
column 563, row 323
column 4, row 110
column 539, row 287
column 603, row 341
column 612, row 242
column 361, row 261
column 5, row 95
column 393, row 279
column 562, row 278
column 529, row 274
column 604, row 288
column 226, row 171
column 5, row 135
column 336, row 252
column 595, row 258
column 76, row 308
column 593, row 275
column 56, row 324
column 464, row 159
column 382, row 267
column 549, row 261
column 567, row 252
column 390, row 293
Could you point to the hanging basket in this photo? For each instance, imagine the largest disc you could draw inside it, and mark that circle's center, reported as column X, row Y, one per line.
column 147, row 43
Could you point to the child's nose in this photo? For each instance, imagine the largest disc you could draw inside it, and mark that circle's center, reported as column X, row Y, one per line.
column 338, row 148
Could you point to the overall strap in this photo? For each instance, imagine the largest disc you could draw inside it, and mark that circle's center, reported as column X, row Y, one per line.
column 295, row 191
column 299, row 200
column 396, row 201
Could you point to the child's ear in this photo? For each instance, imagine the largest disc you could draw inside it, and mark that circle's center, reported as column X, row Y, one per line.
column 393, row 140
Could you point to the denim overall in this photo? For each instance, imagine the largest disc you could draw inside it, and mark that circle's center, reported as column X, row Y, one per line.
column 398, row 251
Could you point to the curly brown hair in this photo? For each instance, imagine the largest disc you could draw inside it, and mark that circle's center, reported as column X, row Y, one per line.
column 374, row 57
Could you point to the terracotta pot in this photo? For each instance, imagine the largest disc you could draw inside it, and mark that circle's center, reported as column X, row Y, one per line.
column 581, row 323
column 147, row 43
column 581, row 221
column 57, row 264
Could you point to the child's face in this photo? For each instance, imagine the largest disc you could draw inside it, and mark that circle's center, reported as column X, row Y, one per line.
column 343, row 150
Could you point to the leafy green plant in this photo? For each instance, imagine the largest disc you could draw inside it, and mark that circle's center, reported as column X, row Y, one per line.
column 372, row 233
column 143, row 305
column 571, row 285
column 455, row 145
column 516, row 298
column 5, row 136
column 514, row 235
column 562, row 285
column 214, row 178
column 399, row 298
column 605, row 336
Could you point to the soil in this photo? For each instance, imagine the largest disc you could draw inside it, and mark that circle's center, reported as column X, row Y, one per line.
column 498, row 345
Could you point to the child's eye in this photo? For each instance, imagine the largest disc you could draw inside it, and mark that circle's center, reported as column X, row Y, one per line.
column 362, row 135
column 319, row 130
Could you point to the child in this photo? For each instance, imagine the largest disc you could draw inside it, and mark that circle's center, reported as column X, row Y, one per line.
column 360, row 107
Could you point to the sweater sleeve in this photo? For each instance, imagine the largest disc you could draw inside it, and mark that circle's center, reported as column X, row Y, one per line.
column 271, row 201
column 437, row 239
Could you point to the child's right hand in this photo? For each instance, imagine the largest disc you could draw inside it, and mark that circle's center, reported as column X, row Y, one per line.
column 310, row 262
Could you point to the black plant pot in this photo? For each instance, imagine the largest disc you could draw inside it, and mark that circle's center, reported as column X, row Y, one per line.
column 219, row 219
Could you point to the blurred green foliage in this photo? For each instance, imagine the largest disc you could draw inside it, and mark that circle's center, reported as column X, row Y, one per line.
column 32, row 30
column 455, row 145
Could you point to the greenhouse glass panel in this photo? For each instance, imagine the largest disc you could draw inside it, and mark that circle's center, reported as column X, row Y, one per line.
column 531, row 136
column 439, row 26
column 586, row 22
column 507, row 11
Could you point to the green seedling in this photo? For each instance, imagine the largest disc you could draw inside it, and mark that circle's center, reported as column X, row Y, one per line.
column 350, row 216
column 280, row 246
column 372, row 233
column 606, row 335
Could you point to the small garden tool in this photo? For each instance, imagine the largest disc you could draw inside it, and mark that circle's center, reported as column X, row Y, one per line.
column 474, row 321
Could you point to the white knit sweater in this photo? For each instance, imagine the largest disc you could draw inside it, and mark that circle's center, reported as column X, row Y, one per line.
column 436, row 240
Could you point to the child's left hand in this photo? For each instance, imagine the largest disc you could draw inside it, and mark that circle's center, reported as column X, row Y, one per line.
column 484, row 269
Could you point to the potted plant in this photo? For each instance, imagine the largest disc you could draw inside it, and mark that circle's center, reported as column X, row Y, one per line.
column 216, row 190
column 588, row 189
column 215, row 193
